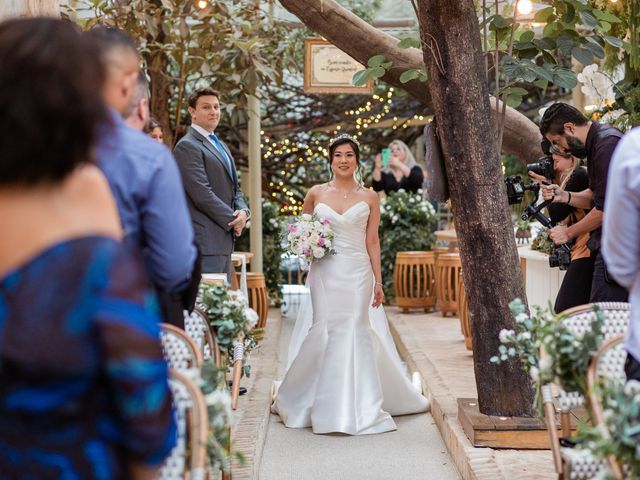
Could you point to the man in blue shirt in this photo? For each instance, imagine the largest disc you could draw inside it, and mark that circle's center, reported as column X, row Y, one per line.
column 146, row 183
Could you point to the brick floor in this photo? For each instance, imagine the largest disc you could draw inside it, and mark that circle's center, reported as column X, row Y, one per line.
column 434, row 346
column 251, row 419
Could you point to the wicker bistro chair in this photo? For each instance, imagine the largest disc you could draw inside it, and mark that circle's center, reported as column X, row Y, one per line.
column 571, row 463
column 607, row 363
column 180, row 351
column 197, row 327
column 188, row 458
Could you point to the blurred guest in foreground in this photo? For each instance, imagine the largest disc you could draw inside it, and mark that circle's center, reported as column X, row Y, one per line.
column 397, row 172
column 621, row 230
column 154, row 130
column 83, row 383
column 145, row 181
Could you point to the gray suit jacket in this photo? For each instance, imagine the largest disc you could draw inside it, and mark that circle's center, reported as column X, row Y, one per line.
column 213, row 192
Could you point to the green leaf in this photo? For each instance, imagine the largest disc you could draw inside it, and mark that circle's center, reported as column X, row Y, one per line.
column 565, row 78
column 527, row 36
column 544, row 43
column 499, row 22
column 596, row 49
column 409, row 42
column 376, row 72
column 413, row 74
column 588, row 20
column 409, row 75
column 566, row 44
column 613, row 41
column 569, row 14
column 541, row 83
column 549, row 29
column 605, row 26
column 518, row 91
column 606, row 16
column 386, row 65
column 542, row 73
column 376, row 61
column 360, row 78
column 583, row 55
column 543, row 15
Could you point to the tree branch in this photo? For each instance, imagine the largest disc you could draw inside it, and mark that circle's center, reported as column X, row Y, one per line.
column 360, row 40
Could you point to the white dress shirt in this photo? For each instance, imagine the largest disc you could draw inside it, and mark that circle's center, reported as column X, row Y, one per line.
column 621, row 229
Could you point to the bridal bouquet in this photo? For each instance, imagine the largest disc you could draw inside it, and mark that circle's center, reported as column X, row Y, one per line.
column 310, row 238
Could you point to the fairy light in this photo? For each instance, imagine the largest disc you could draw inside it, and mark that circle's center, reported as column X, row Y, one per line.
column 525, row 7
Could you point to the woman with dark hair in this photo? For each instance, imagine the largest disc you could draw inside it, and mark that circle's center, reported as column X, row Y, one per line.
column 571, row 177
column 83, row 383
column 344, row 373
column 154, row 130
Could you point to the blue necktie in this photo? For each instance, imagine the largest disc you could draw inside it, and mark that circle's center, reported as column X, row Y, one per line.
column 222, row 151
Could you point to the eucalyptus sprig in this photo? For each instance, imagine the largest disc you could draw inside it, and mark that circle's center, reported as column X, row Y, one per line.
column 622, row 417
column 231, row 320
column 218, row 400
column 567, row 355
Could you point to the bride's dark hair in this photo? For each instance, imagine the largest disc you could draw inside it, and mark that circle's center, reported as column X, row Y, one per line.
column 341, row 140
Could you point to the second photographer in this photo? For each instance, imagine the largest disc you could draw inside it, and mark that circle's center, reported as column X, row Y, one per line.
column 571, row 177
column 566, row 128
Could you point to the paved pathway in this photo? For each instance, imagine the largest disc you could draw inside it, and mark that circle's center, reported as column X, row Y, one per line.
column 414, row 451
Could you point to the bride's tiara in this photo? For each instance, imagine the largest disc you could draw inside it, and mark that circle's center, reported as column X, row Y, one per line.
column 344, row 136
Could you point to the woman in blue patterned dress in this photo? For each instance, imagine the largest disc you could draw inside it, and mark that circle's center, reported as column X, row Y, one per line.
column 83, row 383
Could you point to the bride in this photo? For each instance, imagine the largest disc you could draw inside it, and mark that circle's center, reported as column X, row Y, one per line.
column 344, row 373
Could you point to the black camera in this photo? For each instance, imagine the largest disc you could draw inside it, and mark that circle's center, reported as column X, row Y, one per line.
column 561, row 257
column 544, row 167
column 516, row 189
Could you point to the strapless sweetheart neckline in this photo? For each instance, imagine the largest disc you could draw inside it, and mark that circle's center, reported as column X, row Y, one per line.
column 346, row 211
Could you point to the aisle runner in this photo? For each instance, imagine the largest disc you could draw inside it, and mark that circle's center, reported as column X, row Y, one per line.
column 414, row 451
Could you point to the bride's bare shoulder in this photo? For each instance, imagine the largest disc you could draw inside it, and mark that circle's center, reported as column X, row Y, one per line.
column 316, row 190
column 371, row 197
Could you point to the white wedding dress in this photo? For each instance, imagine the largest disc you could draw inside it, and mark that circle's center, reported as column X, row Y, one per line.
column 344, row 372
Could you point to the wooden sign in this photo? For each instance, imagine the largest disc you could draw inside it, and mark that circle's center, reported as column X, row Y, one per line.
column 327, row 69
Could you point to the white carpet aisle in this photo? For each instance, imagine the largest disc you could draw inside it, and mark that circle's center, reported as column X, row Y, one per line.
column 414, row 451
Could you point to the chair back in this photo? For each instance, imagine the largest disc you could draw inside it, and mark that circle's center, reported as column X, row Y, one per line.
column 197, row 327
column 607, row 363
column 579, row 320
column 180, row 351
column 188, row 458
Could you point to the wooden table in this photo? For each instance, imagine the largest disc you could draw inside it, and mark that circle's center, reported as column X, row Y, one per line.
column 214, row 278
column 448, row 236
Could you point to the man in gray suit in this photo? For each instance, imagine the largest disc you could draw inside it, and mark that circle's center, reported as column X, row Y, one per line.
column 217, row 207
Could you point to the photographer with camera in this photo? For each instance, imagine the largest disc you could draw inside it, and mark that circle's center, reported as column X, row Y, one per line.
column 563, row 169
column 570, row 132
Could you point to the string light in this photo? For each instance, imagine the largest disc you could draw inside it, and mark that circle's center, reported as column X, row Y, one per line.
column 525, row 7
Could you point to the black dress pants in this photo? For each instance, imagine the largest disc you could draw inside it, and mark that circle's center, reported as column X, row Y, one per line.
column 576, row 285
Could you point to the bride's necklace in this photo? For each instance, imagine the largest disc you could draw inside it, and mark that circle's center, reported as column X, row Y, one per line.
column 347, row 193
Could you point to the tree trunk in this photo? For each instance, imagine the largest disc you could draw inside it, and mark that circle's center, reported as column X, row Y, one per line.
column 460, row 99
column 160, row 91
column 29, row 8
column 360, row 40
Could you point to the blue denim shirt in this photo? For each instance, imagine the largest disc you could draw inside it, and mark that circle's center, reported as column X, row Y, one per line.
column 146, row 184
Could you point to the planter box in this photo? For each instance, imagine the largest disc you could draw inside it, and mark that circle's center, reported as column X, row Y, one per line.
column 541, row 281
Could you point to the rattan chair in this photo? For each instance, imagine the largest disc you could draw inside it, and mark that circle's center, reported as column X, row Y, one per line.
column 572, row 463
column 180, row 351
column 607, row 363
column 188, row 458
column 197, row 327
